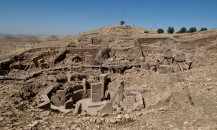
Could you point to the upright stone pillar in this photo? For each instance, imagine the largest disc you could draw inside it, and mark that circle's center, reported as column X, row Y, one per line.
column 120, row 93
column 102, row 79
column 96, row 92
column 84, row 85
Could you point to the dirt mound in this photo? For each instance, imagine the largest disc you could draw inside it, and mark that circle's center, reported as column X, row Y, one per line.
column 117, row 77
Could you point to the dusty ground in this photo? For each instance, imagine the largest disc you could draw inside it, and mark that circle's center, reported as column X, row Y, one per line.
column 11, row 45
column 182, row 100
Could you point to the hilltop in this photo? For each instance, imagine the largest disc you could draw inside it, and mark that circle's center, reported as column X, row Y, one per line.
column 116, row 77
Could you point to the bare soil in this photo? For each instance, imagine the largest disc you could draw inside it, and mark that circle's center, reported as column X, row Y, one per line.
column 174, row 100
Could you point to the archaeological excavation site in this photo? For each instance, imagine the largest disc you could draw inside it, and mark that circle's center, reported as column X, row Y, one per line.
column 115, row 77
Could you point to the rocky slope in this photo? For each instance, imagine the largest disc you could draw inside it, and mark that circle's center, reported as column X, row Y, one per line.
column 181, row 100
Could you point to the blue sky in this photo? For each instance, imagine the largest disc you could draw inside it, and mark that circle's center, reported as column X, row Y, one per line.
column 75, row 16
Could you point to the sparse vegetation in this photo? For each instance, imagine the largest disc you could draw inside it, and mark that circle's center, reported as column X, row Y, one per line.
column 122, row 22
column 182, row 30
column 130, row 66
column 192, row 29
column 160, row 30
column 203, row 29
column 170, row 30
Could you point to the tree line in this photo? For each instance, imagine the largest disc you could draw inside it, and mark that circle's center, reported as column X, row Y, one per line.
column 171, row 30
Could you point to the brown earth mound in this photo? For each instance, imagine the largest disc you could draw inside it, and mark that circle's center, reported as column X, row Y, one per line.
column 117, row 77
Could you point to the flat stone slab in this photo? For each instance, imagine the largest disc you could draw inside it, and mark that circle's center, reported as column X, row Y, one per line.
column 91, row 107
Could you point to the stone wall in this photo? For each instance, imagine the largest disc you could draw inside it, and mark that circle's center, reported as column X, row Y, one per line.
column 155, row 41
column 81, row 51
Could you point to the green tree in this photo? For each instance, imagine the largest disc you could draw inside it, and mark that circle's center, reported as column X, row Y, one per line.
column 170, row 30
column 122, row 22
column 182, row 30
column 160, row 30
column 192, row 29
column 203, row 29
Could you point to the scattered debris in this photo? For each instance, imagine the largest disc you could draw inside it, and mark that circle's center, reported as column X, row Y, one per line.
column 100, row 81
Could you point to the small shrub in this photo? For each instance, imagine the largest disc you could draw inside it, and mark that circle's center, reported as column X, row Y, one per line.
column 170, row 30
column 203, row 29
column 192, row 29
column 160, row 30
column 122, row 22
column 182, row 30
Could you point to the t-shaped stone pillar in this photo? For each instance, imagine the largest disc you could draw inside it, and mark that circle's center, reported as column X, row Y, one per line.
column 96, row 92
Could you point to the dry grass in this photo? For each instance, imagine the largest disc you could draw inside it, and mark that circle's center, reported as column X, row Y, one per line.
column 9, row 47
